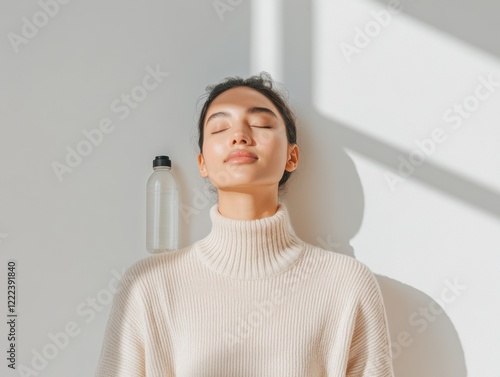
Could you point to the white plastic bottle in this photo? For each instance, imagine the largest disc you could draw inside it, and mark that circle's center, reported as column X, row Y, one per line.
column 162, row 211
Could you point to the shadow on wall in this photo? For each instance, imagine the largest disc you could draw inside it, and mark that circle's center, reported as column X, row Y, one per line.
column 425, row 347
column 481, row 16
column 424, row 341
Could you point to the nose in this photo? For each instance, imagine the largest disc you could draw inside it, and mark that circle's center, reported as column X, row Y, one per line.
column 240, row 135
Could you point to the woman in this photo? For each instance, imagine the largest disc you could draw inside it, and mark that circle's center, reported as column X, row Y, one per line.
column 251, row 298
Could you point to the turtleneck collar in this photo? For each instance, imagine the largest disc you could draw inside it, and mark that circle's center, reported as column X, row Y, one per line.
column 250, row 249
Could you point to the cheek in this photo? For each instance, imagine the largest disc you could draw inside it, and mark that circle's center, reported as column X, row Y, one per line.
column 276, row 153
column 269, row 140
column 276, row 145
column 213, row 151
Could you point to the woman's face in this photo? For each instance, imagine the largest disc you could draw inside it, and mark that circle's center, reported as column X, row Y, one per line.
column 243, row 118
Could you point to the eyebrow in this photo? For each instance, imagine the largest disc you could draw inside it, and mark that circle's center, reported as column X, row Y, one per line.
column 251, row 110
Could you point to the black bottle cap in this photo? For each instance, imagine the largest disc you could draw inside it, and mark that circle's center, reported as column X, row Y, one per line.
column 162, row 161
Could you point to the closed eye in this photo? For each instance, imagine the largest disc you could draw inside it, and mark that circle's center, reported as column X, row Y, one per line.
column 216, row 132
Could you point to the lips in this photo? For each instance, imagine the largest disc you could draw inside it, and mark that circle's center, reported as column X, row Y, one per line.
column 240, row 153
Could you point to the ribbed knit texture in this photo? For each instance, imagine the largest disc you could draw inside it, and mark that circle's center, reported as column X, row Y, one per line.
column 250, row 299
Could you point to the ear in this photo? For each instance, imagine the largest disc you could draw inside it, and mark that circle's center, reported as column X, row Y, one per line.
column 293, row 158
column 201, row 166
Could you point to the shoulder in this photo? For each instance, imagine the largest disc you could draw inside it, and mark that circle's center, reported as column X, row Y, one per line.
column 340, row 268
column 336, row 260
column 153, row 267
column 349, row 281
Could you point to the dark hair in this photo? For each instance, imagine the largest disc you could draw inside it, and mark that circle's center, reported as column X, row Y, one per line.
column 265, row 85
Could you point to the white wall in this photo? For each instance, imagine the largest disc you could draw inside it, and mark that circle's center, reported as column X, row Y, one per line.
column 360, row 115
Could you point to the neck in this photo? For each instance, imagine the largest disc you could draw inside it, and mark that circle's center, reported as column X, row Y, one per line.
column 250, row 249
column 242, row 205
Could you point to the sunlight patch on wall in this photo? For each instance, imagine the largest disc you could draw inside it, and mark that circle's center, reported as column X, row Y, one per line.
column 266, row 43
column 409, row 85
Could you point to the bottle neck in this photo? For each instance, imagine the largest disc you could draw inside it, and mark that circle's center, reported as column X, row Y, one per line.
column 155, row 168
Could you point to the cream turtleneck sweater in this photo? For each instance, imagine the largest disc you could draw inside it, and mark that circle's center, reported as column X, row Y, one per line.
column 250, row 299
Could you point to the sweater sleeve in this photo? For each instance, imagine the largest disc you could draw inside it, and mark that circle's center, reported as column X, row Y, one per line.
column 122, row 353
column 370, row 350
